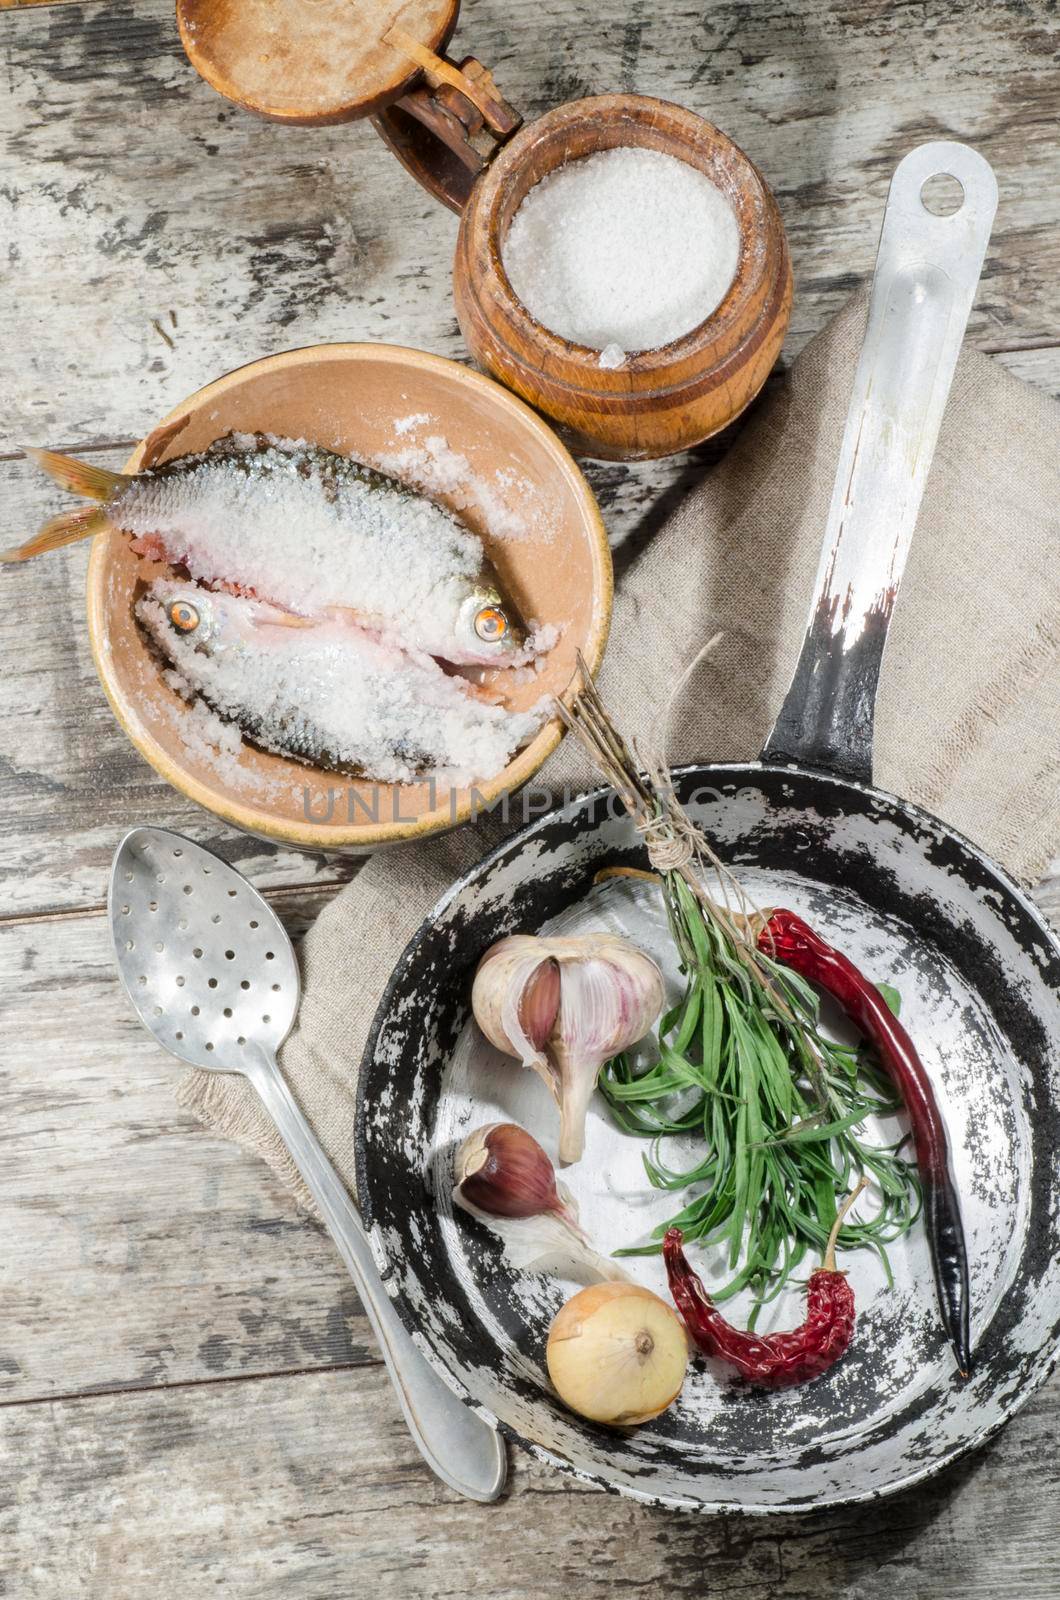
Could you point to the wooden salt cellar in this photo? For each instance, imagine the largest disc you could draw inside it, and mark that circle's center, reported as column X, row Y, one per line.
column 326, row 61
column 661, row 400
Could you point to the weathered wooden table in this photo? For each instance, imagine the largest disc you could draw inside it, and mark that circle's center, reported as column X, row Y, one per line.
column 192, row 1399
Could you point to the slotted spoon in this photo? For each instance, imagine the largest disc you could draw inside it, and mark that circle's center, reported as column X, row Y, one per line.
column 212, row 974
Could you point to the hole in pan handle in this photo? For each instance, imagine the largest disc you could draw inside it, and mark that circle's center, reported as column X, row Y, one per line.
column 927, row 269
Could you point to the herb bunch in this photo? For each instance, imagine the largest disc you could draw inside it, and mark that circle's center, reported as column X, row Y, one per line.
column 743, row 1063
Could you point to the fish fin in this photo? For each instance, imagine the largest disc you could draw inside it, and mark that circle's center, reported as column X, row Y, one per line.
column 364, row 622
column 91, row 483
column 65, row 529
column 159, row 440
column 283, row 619
column 483, row 693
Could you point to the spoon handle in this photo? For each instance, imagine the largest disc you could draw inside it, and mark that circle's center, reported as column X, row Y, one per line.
column 465, row 1452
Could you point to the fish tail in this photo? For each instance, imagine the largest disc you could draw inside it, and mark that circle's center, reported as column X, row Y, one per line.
column 64, row 529
column 91, row 483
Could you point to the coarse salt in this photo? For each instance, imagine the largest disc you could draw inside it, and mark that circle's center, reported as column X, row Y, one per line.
column 313, row 532
column 415, row 419
column 626, row 249
column 433, row 465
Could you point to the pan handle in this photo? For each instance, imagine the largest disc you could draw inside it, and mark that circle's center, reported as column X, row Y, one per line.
column 927, row 269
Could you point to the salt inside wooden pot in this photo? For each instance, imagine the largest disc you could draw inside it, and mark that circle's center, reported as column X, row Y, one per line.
column 625, row 249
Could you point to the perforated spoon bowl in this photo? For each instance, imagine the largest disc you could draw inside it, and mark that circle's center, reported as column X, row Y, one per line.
column 212, row 974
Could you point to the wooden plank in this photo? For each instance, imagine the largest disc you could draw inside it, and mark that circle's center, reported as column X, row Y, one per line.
column 133, row 191
column 141, row 1253
column 66, row 767
column 300, row 1488
column 138, row 1250
column 1040, row 366
column 103, row 233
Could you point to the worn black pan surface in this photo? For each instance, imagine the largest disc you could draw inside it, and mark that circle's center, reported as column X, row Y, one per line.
column 907, row 898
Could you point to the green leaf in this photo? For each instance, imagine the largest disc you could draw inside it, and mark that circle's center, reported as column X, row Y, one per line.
column 802, row 1131
column 892, row 997
column 769, row 1111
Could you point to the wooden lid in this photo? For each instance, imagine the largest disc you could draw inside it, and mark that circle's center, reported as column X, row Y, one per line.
column 309, row 61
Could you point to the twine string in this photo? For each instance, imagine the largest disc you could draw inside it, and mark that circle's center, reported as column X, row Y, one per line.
column 668, row 850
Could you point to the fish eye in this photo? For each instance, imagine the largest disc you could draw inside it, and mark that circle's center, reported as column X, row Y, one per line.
column 183, row 616
column 491, row 624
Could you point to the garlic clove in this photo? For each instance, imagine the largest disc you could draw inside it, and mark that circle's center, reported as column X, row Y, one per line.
column 617, row 1354
column 506, row 1180
column 502, row 1170
column 515, row 998
column 564, row 1006
column 539, row 1004
column 606, row 1005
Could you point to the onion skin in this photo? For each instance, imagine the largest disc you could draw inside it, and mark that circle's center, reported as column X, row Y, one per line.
column 596, row 1362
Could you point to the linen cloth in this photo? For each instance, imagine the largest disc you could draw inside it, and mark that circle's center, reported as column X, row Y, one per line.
column 967, row 719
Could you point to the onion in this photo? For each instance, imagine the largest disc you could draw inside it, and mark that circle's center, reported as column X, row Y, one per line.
column 617, row 1354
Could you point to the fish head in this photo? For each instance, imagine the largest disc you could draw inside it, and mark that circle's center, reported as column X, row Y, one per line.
column 191, row 616
column 488, row 630
column 184, row 620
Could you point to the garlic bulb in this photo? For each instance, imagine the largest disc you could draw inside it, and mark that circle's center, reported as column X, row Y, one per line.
column 564, row 1007
column 617, row 1354
column 506, row 1179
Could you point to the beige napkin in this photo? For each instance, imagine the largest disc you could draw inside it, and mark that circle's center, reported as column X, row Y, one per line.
column 969, row 706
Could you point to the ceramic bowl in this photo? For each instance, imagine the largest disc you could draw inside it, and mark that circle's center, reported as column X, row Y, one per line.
column 547, row 542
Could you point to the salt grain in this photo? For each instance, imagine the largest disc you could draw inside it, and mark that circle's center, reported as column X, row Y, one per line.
column 431, row 464
column 626, row 249
column 414, row 420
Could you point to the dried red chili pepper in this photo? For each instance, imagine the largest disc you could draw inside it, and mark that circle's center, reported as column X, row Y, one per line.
column 794, row 943
column 775, row 1360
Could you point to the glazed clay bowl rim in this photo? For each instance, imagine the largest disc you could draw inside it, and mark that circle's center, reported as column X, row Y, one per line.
column 499, row 193
column 255, row 819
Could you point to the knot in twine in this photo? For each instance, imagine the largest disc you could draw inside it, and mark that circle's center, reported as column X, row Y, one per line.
column 669, row 849
column 672, row 840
